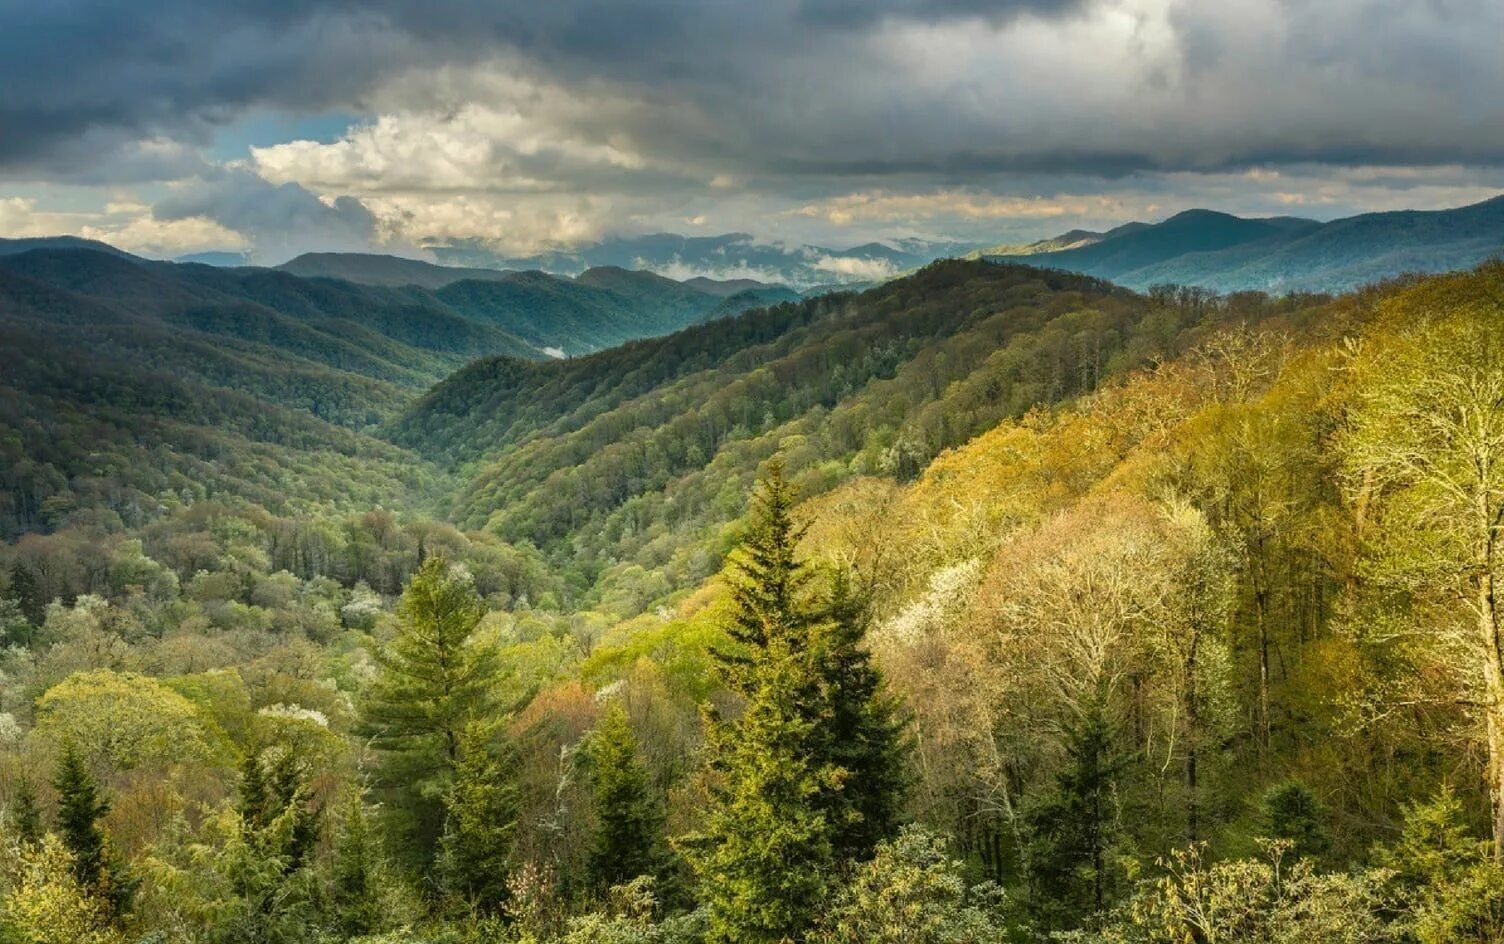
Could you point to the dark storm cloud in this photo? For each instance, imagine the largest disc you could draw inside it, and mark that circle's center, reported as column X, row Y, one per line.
column 793, row 99
column 71, row 71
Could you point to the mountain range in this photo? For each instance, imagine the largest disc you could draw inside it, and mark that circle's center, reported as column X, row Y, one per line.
column 1277, row 255
column 727, row 256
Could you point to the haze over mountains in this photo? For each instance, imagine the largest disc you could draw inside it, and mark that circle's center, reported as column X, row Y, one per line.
column 1200, row 247
column 727, row 256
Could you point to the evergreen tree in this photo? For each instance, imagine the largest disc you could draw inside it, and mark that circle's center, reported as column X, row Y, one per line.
column 765, row 854
column 1291, row 811
column 254, row 799
column 1074, row 830
column 795, row 780
column 26, row 813
column 279, row 814
column 480, row 822
column 864, row 737
column 629, row 817
column 297, row 816
column 355, row 884
column 26, row 591
column 433, row 678
column 79, row 810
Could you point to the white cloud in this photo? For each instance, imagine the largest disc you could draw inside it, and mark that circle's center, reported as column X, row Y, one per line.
column 848, row 267
column 128, row 225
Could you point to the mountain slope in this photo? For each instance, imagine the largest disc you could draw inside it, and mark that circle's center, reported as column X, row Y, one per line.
column 1229, row 254
column 9, row 247
column 130, row 384
column 105, row 412
column 405, row 338
column 570, row 316
column 640, row 453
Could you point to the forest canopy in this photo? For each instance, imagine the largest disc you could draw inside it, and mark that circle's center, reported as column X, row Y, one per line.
column 993, row 604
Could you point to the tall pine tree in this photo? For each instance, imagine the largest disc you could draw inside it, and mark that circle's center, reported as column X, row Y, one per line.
column 25, row 590
column 26, row 813
column 864, row 737
column 481, row 809
column 80, row 807
column 433, row 678
column 1075, row 828
column 628, row 839
column 791, row 778
column 356, row 873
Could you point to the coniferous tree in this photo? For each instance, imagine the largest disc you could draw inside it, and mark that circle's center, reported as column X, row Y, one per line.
column 766, row 851
column 26, row 813
column 289, row 793
column 25, row 590
column 1290, row 811
column 765, row 854
column 254, row 799
column 433, row 678
column 356, row 880
column 865, row 738
column 481, row 809
column 1075, row 828
column 788, row 804
column 629, row 817
column 79, row 810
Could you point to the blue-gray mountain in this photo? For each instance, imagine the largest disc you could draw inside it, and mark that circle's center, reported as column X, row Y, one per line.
column 1281, row 254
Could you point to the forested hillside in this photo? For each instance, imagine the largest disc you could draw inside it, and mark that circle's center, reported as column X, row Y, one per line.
column 993, row 604
column 130, row 384
column 640, row 455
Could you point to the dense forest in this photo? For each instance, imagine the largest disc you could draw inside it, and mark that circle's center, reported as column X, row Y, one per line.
column 992, row 604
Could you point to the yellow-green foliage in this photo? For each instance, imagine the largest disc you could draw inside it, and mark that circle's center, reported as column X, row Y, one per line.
column 45, row 904
column 126, row 720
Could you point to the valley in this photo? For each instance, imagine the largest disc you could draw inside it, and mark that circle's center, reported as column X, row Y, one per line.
column 1073, row 527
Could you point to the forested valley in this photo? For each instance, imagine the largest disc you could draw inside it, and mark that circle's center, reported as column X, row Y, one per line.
column 991, row 604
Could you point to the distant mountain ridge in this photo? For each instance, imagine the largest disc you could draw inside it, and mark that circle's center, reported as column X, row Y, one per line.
column 1228, row 253
column 11, row 247
column 369, row 268
column 729, row 256
column 526, row 314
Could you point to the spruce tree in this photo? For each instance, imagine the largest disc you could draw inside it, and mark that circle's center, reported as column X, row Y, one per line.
column 26, row 813
column 299, row 817
column 26, row 591
column 1075, row 828
column 356, row 874
column 254, row 799
column 1290, row 811
column 481, row 819
column 811, row 772
column 433, row 677
column 629, row 817
column 864, row 737
column 766, row 851
column 79, row 809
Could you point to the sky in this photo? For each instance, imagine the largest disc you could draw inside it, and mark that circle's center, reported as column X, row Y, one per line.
column 280, row 126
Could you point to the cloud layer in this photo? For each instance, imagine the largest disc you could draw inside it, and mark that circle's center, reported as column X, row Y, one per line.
column 532, row 124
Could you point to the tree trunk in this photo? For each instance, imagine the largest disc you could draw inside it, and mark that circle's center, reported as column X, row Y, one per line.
column 1493, row 672
column 1193, row 732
